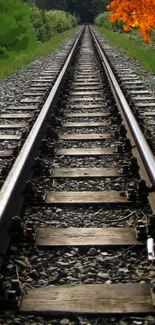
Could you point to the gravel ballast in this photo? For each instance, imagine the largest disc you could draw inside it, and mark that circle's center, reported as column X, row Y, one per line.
column 38, row 268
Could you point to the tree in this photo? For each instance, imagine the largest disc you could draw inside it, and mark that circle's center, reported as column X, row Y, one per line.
column 15, row 30
column 85, row 9
column 138, row 14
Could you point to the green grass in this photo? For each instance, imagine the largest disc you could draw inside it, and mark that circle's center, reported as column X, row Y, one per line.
column 133, row 45
column 16, row 62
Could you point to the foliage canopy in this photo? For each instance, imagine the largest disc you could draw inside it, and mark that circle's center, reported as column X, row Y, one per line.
column 138, row 14
column 86, row 10
column 48, row 23
column 22, row 24
column 15, row 30
column 102, row 20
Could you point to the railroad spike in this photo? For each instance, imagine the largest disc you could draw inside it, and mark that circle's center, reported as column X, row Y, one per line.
column 22, row 141
column 60, row 113
column 16, row 286
column 115, row 112
column 118, row 118
column 119, row 147
column 127, row 145
column 24, row 134
column 141, row 227
column 38, row 163
column 21, row 231
column 29, row 188
column 4, row 171
column 132, row 192
column 30, row 234
column 133, row 166
column 39, row 196
column 17, row 229
column 51, row 133
column 11, row 296
column 142, row 188
column 16, row 222
column 40, row 166
column 141, row 233
column 31, row 122
column 44, row 146
column 122, row 130
column 2, row 286
column 125, row 169
column 16, row 149
column 136, row 113
column 53, row 120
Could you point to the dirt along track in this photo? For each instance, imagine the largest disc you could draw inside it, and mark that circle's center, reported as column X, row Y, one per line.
column 78, row 253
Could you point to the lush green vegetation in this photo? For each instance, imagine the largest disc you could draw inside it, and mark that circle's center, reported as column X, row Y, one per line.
column 48, row 23
column 86, row 10
column 22, row 24
column 133, row 44
column 102, row 20
column 16, row 33
column 27, row 32
column 14, row 63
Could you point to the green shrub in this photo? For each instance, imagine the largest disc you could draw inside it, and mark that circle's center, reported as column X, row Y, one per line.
column 39, row 23
column 48, row 23
column 10, row 65
column 16, row 33
column 102, row 20
column 59, row 20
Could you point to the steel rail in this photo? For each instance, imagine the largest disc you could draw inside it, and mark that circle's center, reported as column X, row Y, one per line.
column 142, row 145
column 11, row 194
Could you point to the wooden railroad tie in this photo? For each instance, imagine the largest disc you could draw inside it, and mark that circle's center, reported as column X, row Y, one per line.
column 85, row 152
column 83, row 197
column 84, row 172
column 6, row 153
column 23, row 107
column 119, row 298
column 88, row 106
column 84, row 124
column 13, row 126
column 84, row 136
column 16, row 115
column 9, row 137
column 87, row 114
column 106, row 237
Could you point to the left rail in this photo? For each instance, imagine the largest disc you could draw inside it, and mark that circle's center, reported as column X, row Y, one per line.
column 11, row 194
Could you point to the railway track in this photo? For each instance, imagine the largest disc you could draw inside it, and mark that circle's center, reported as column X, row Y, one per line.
column 79, row 201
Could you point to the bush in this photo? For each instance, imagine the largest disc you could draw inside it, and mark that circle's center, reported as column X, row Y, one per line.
column 60, row 21
column 103, row 21
column 39, row 24
column 47, row 23
column 22, row 24
column 16, row 33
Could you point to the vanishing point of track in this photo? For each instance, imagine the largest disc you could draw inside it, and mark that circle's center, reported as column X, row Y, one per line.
column 85, row 152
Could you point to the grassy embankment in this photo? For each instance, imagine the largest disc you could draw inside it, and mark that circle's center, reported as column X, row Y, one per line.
column 15, row 62
column 133, row 45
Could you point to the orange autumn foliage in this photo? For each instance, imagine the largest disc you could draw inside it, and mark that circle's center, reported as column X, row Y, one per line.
column 134, row 14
